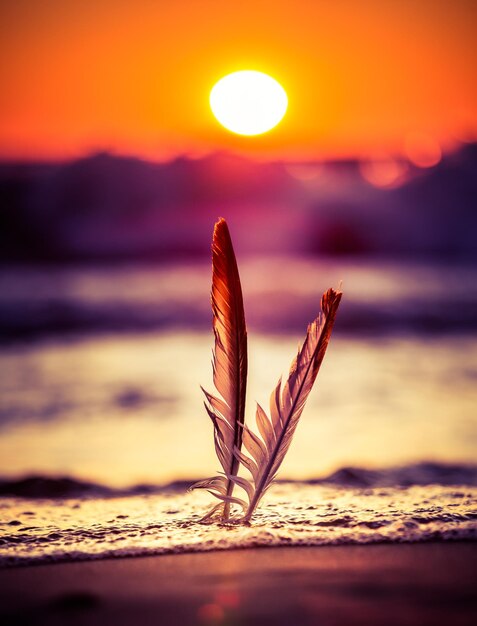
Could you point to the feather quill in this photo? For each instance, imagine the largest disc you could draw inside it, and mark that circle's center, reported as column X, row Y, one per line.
column 287, row 402
column 229, row 365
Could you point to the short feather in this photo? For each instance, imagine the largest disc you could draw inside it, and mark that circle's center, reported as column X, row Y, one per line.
column 286, row 405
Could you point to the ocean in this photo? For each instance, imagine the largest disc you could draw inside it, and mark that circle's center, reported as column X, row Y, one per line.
column 103, row 428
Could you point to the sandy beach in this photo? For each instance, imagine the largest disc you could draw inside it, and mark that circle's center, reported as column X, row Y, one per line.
column 415, row 584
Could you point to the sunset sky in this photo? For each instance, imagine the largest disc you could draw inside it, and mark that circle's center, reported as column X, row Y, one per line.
column 364, row 78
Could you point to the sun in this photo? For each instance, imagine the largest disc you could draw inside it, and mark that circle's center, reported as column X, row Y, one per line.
column 248, row 102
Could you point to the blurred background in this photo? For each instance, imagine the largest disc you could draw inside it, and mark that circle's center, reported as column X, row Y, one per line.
column 113, row 172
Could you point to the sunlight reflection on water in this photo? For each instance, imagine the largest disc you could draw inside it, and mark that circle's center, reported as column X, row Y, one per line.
column 128, row 409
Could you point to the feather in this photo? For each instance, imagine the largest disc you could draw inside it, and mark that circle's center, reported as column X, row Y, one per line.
column 286, row 406
column 229, row 365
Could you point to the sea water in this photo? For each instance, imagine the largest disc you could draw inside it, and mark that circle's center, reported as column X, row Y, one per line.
column 43, row 530
column 100, row 374
column 123, row 410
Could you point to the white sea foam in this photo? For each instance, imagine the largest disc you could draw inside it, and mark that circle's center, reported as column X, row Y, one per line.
column 33, row 531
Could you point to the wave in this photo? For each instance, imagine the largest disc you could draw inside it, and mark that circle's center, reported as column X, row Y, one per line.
column 292, row 514
column 379, row 298
column 61, row 318
column 426, row 473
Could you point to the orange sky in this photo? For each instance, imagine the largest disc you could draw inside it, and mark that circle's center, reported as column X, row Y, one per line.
column 133, row 76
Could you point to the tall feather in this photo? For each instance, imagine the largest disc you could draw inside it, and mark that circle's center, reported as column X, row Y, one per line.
column 286, row 406
column 229, row 368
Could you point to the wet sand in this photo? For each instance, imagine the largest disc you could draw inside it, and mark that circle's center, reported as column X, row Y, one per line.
column 381, row 584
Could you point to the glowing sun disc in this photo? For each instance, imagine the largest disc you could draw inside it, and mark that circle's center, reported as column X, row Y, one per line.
column 248, row 102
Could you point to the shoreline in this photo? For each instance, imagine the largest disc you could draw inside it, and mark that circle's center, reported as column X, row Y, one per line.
column 86, row 529
column 347, row 585
column 91, row 558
